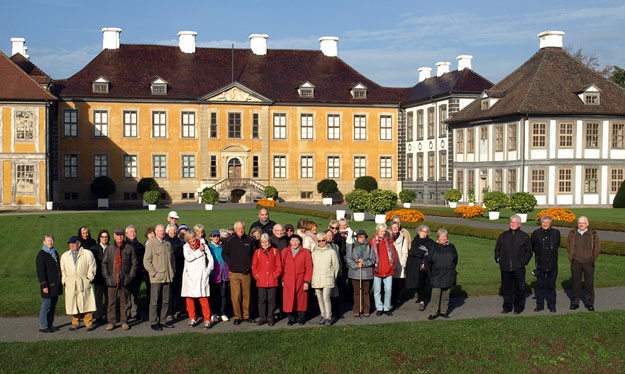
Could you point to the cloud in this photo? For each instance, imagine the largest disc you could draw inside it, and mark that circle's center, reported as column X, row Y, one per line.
column 61, row 64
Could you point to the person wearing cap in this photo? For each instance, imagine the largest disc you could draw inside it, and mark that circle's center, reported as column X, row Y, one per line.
column 182, row 231
column 49, row 274
column 219, row 279
column 264, row 223
column 360, row 260
column 140, row 276
column 172, row 218
column 289, row 230
column 296, row 278
column 238, row 252
column 119, row 267
column 160, row 264
column 78, row 270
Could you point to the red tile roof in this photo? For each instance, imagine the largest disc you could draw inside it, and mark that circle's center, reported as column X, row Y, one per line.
column 31, row 69
column 547, row 84
column 15, row 84
column 276, row 75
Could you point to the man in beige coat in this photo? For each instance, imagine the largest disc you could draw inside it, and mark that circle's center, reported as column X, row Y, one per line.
column 78, row 270
column 159, row 262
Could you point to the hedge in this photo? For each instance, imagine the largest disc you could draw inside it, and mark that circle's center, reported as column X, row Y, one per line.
column 304, row 212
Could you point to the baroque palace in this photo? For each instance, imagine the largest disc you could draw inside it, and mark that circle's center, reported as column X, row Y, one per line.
column 243, row 119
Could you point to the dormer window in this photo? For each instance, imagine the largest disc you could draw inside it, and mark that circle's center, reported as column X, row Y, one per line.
column 159, row 87
column 359, row 91
column 100, row 85
column 485, row 104
column 306, row 90
column 488, row 99
column 590, row 95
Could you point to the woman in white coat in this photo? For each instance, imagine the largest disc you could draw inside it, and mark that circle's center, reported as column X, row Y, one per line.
column 325, row 270
column 399, row 277
column 198, row 264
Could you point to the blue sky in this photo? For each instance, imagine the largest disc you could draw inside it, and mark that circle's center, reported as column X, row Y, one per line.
column 385, row 40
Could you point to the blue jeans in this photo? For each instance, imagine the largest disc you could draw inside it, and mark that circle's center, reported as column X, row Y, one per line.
column 377, row 292
column 46, row 315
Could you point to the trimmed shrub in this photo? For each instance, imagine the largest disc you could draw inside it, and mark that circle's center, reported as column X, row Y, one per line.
column 407, row 196
column 406, row 215
column 366, row 183
column 522, row 202
column 209, row 195
column 382, row 201
column 495, row 200
column 469, row 211
column 619, row 199
column 358, row 200
column 453, row 195
column 152, row 197
column 327, row 187
column 471, row 196
column 271, row 192
column 304, row 212
column 147, row 184
column 102, row 187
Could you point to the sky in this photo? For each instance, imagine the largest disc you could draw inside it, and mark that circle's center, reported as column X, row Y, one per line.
column 387, row 41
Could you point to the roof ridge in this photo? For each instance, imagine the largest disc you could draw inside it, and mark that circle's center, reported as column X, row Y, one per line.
column 531, row 85
column 476, row 73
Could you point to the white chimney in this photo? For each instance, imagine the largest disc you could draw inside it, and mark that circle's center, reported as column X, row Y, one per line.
column 258, row 44
column 186, row 41
column 551, row 39
column 464, row 61
column 19, row 46
column 442, row 68
column 110, row 37
column 329, row 45
column 424, row 73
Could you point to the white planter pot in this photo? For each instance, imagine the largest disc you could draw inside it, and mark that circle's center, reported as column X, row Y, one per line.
column 380, row 218
column 103, row 203
column 208, row 206
column 406, row 205
column 340, row 214
column 270, row 198
column 151, row 206
column 523, row 216
column 359, row 216
column 49, row 205
column 327, row 201
column 453, row 204
column 471, row 204
column 493, row 215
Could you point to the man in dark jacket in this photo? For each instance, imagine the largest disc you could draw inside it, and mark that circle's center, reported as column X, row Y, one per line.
column 119, row 266
column 140, row 276
column 278, row 240
column 583, row 245
column 238, row 253
column 512, row 252
column 49, row 274
column 264, row 223
column 545, row 242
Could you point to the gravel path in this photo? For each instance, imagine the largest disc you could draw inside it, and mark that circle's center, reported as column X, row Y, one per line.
column 25, row 329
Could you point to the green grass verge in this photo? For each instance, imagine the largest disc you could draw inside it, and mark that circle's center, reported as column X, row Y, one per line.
column 573, row 343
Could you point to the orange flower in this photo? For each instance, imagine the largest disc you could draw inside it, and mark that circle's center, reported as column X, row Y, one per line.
column 406, row 215
column 469, row 211
column 557, row 214
column 266, row 203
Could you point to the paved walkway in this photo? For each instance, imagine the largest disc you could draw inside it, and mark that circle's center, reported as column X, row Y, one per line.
column 25, row 329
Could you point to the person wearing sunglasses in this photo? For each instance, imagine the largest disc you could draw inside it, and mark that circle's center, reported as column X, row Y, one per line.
column 325, row 270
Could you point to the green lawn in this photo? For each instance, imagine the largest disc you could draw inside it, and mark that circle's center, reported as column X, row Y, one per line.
column 22, row 236
column 573, row 343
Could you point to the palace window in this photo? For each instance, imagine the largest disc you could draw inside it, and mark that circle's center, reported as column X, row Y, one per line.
column 279, row 166
column 592, row 134
column 443, row 165
column 512, row 137
column 430, row 122
column 70, row 166
column 159, row 125
column 255, row 167
column 130, row 166
column 460, row 141
column 334, row 167
column 591, row 179
column 24, row 125
column 213, row 125
column 618, row 135
column 498, row 139
column 279, row 126
column 130, row 124
column 255, row 126
column 386, row 128
column 420, row 124
column 565, row 177
column 538, row 181
column 306, row 166
column 25, row 179
column 410, row 166
column 101, row 123
column 100, row 165
column 431, row 166
column 386, row 168
column 617, row 177
column 70, row 122
column 539, row 133
column 159, row 166
column 471, row 141
column 410, row 126
column 360, row 127
column 360, row 166
column 234, row 125
column 419, row 166
column 188, row 166
column 307, row 130
column 334, row 127
column 442, row 117
column 566, row 134
column 188, row 124
column 511, row 181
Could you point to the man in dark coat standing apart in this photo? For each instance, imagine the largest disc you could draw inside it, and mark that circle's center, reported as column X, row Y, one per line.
column 545, row 242
column 512, row 252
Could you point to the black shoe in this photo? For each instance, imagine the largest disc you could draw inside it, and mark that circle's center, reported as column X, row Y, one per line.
column 301, row 322
column 156, row 327
column 517, row 312
column 54, row 328
column 505, row 311
column 168, row 325
column 379, row 313
column 237, row 321
column 249, row 320
column 291, row 323
column 389, row 313
column 91, row 328
column 431, row 317
column 73, row 327
column 552, row 310
column 444, row 315
column 574, row 306
column 590, row 308
column 46, row 330
column 539, row 309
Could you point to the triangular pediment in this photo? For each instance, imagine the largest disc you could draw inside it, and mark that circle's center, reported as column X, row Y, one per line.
column 235, row 93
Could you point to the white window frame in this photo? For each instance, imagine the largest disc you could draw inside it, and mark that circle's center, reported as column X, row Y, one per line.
column 159, row 124
column 279, row 166
column 187, row 166
column 130, row 118
column 100, row 123
column 386, row 127
column 307, row 126
column 360, row 127
column 131, row 166
column 306, row 166
column 333, row 169
column 159, row 166
column 187, row 123
column 386, row 167
column 334, row 127
column 100, row 165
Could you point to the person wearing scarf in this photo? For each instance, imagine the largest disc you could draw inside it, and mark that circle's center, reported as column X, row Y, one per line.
column 219, row 279
column 49, row 274
column 198, row 264
column 360, row 260
column 266, row 270
column 384, row 268
column 296, row 278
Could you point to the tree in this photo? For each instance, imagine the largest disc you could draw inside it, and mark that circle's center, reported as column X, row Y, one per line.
column 614, row 73
column 618, row 76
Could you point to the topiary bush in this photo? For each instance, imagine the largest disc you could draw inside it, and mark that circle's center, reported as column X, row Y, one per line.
column 495, row 200
column 209, row 195
column 152, row 197
column 382, row 201
column 453, row 195
column 358, row 200
column 102, row 187
column 366, row 183
column 407, row 196
column 271, row 192
column 522, row 202
column 327, row 187
column 147, row 184
column 619, row 199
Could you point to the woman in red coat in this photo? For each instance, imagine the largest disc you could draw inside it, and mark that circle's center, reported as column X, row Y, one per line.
column 296, row 278
column 266, row 269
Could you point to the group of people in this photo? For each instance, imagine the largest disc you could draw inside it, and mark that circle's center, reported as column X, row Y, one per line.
column 274, row 270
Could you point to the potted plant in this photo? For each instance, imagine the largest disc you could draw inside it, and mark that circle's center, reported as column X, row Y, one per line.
column 147, row 184
column 471, row 197
column 366, row 183
column 522, row 203
column 381, row 202
column 407, row 197
column 102, row 187
column 327, row 188
column 495, row 201
column 271, row 192
column 453, row 196
column 358, row 201
column 153, row 198
column 209, row 197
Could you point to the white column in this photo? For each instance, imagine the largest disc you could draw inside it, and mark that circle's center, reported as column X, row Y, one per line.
column 604, row 188
column 550, row 188
column 578, row 186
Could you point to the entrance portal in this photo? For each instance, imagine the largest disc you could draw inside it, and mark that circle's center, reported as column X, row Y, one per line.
column 234, row 168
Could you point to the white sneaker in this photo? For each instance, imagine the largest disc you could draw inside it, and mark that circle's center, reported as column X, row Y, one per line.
column 214, row 318
column 208, row 325
column 225, row 318
column 192, row 323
